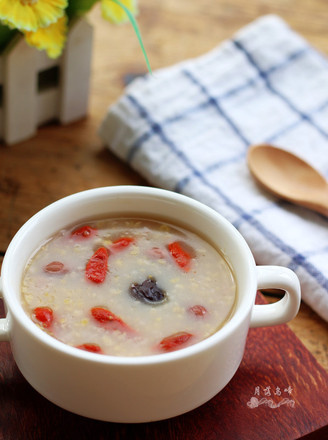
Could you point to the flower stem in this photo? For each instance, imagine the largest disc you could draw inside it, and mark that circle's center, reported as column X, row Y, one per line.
column 136, row 30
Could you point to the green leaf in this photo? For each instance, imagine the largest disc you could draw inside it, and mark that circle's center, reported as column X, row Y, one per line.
column 6, row 34
column 77, row 8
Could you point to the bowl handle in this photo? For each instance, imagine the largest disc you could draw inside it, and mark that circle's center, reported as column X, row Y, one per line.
column 284, row 310
column 4, row 327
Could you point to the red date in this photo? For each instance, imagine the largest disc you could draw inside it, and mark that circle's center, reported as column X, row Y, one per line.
column 148, row 292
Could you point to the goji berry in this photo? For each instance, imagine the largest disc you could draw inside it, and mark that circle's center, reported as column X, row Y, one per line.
column 175, row 341
column 96, row 268
column 121, row 243
column 44, row 315
column 180, row 255
column 198, row 310
column 109, row 320
column 84, row 232
column 55, row 267
column 93, row 348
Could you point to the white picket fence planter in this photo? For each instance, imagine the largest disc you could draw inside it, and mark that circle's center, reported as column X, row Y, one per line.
column 37, row 89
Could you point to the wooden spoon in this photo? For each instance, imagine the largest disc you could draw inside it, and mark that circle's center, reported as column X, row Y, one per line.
column 289, row 177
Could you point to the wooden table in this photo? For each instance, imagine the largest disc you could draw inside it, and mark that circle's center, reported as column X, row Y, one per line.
column 61, row 160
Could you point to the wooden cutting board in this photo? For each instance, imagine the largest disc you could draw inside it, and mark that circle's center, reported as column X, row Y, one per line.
column 279, row 392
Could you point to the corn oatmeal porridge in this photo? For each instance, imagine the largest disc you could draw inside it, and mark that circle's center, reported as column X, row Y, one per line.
column 128, row 287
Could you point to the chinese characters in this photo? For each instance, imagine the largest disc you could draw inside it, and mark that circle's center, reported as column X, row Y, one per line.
column 273, row 397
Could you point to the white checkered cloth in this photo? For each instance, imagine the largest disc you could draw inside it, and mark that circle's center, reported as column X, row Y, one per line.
column 187, row 128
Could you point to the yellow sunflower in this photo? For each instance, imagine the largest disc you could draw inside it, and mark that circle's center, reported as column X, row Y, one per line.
column 51, row 39
column 113, row 12
column 29, row 15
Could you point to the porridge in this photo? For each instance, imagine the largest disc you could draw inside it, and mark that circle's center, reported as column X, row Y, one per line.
column 128, row 287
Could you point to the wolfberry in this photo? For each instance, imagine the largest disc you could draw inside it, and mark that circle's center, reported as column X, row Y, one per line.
column 44, row 315
column 84, row 232
column 121, row 243
column 180, row 255
column 93, row 348
column 198, row 310
column 96, row 268
column 175, row 341
column 55, row 267
column 109, row 320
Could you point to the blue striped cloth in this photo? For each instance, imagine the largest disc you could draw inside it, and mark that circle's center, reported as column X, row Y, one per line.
column 188, row 127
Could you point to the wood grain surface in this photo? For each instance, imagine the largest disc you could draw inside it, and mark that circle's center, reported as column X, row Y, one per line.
column 61, row 160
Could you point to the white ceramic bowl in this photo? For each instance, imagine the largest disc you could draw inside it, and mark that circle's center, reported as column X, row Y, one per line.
column 147, row 388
